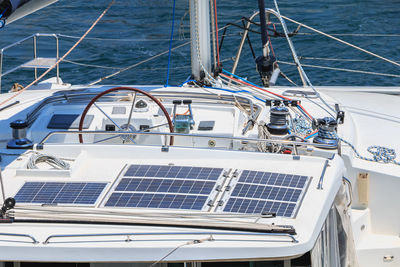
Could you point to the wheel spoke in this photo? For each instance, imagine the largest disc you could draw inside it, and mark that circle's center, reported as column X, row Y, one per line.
column 106, row 139
column 108, row 117
column 130, row 113
column 154, row 127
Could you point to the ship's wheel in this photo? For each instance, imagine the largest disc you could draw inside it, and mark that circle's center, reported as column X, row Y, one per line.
column 126, row 127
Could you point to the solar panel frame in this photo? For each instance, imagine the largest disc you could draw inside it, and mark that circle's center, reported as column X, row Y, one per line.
column 60, row 193
column 265, row 192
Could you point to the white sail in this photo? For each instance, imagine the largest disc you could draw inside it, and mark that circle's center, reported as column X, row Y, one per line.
column 28, row 8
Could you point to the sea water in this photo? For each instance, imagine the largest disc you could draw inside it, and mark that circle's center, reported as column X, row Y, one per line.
column 134, row 30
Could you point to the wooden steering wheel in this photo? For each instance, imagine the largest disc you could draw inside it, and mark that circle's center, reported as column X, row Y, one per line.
column 92, row 102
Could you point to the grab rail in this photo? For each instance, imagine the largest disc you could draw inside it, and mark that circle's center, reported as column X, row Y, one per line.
column 293, row 239
column 34, row 36
column 34, row 241
column 246, row 139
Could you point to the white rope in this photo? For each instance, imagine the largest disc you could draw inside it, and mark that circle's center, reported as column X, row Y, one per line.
column 51, row 160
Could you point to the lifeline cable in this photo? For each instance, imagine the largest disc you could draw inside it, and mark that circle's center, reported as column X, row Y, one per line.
column 63, row 57
column 136, row 64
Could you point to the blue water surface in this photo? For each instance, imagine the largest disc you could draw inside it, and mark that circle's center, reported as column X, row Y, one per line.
column 134, row 30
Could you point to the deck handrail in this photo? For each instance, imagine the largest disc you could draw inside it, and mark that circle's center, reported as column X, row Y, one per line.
column 166, row 134
column 34, row 241
column 128, row 235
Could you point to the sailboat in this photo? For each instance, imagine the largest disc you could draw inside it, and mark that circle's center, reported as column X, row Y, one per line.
column 216, row 172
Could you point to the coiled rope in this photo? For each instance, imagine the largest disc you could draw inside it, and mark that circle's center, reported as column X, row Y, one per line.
column 51, row 160
column 379, row 153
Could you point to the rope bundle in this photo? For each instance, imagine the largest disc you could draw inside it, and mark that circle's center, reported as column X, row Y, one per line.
column 51, row 160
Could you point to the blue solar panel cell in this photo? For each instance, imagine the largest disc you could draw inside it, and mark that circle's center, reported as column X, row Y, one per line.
column 59, row 193
column 239, row 205
column 158, row 171
column 266, row 192
column 257, row 192
column 148, row 200
column 168, row 187
column 268, row 178
column 165, row 185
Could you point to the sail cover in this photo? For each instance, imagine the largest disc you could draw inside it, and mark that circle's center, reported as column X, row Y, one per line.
column 12, row 10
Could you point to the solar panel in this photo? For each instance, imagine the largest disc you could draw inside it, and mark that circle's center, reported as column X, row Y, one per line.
column 164, row 201
column 183, row 172
column 164, row 186
column 266, row 192
column 59, row 193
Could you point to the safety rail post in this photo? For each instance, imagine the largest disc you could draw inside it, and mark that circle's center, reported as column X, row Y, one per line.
column 35, row 54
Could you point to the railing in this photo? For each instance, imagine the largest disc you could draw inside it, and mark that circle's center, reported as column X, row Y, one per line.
column 128, row 235
column 34, row 241
column 31, row 64
column 244, row 139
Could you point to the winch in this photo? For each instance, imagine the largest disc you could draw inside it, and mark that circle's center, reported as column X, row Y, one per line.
column 327, row 128
column 19, row 134
column 278, row 120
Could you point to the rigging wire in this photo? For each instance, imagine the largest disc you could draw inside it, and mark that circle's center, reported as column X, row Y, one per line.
column 63, row 57
column 170, row 43
column 216, row 31
column 136, row 64
column 343, row 69
column 245, row 82
column 341, row 41
column 298, row 64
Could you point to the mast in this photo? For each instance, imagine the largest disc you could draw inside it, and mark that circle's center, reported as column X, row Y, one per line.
column 200, row 38
column 263, row 22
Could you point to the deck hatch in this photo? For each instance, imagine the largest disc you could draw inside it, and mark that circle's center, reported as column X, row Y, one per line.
column 69, row 121
column 266, row 192
column 59, row 193
column 167, row 187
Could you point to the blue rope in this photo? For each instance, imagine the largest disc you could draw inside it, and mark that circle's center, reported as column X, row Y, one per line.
column 235, row 92
column 170, row 43
column 3, row 21
column 310, row 136
column 240, row 78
